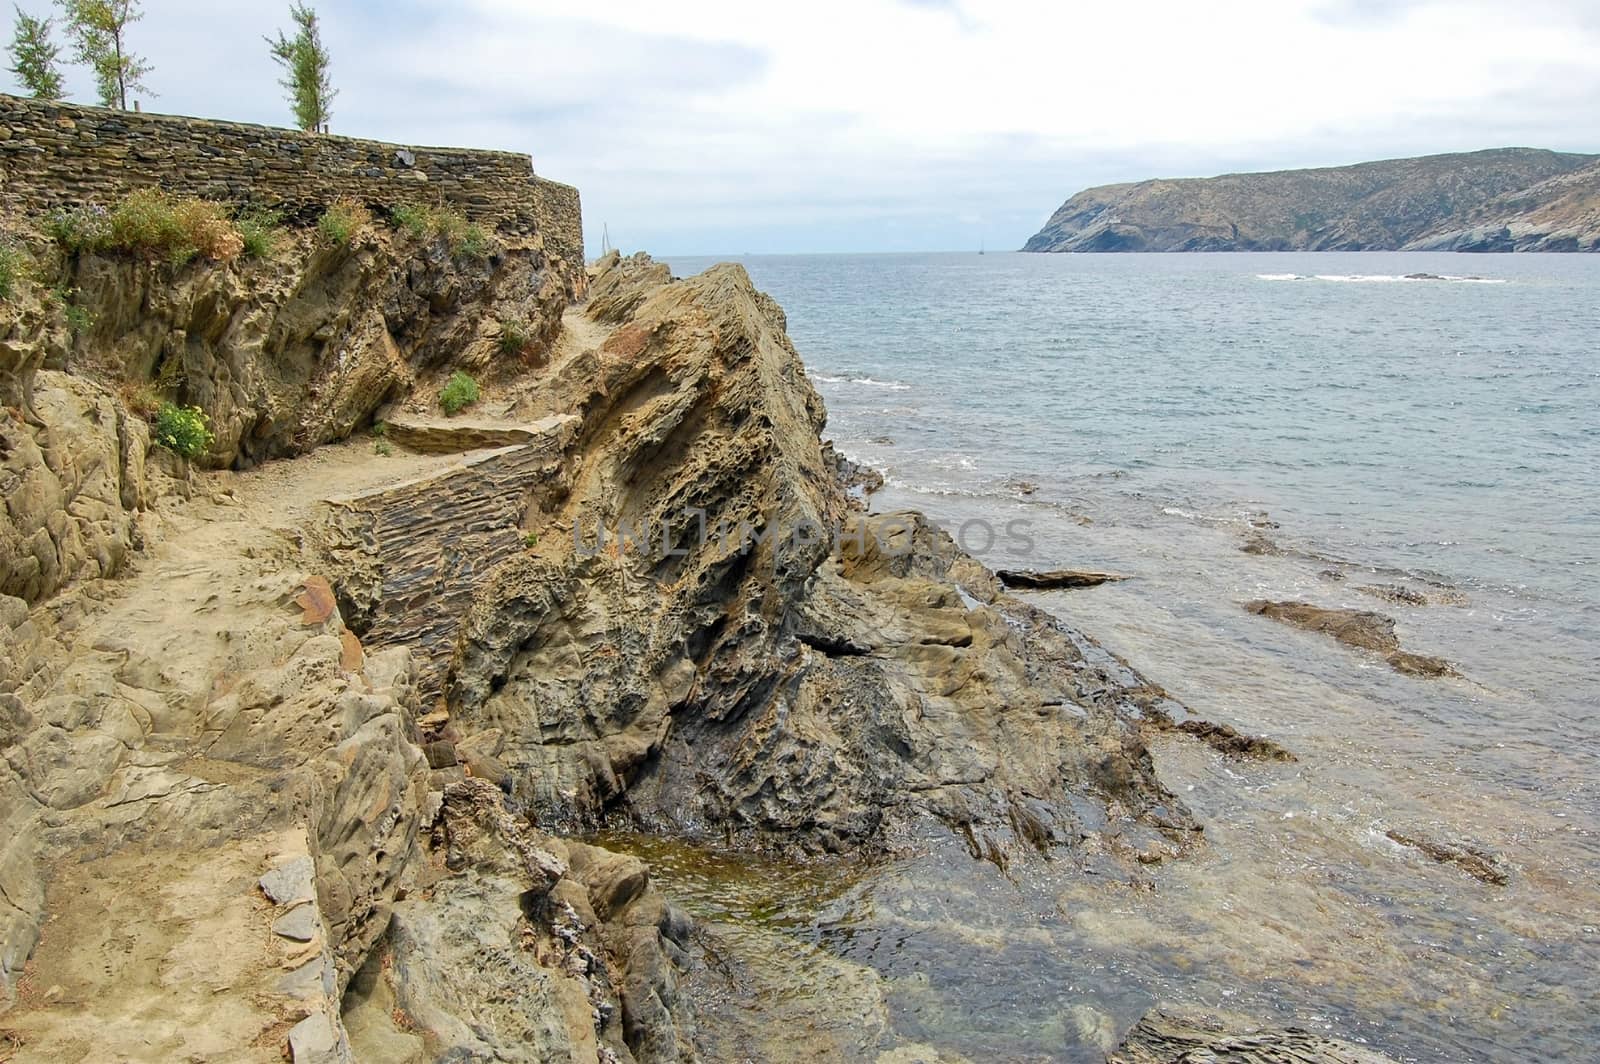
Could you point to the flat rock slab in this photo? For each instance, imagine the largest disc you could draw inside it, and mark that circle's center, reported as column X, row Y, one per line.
column 458, row 435
column 1053, row 579
column 290, row 883
column 300, row 924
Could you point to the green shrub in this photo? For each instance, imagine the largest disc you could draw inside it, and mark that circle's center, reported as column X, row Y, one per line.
column 514, row 337
column 79, row 319
column 413, row 218
column 258, row 229
column 382, row 447
column 474, row 243
column 13, row 268
column 466, row 239
column 458, row 392
column 151, row 222
column 182, row 430
column 342, row 220
column 531, row 540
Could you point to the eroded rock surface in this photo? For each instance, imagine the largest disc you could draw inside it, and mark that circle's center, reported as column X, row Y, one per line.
column 1164, row 1037
column 802, row 674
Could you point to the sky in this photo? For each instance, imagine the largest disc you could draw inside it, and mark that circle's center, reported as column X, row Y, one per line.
column 744, row 126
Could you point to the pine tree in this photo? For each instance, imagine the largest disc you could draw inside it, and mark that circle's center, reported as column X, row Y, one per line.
column 34, row 57
column 303, row 57
column 98, row 29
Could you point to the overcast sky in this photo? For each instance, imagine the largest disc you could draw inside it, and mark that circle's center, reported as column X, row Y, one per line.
column 726, row 126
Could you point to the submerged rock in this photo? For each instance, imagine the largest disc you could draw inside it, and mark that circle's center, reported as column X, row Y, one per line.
column 1055, row 578
column 1362, row 629
column 1479, row 864
column 1166, row 1037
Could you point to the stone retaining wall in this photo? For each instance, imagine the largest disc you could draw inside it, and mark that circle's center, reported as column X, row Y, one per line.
column 56, row 154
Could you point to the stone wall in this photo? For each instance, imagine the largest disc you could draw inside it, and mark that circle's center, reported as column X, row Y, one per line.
column 55, row 154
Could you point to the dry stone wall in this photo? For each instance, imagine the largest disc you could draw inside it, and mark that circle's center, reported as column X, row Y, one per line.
column 57, row 154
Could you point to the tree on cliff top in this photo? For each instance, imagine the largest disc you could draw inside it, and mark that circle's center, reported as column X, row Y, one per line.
column 305, row 60
column 34, row 57
column 98, row 30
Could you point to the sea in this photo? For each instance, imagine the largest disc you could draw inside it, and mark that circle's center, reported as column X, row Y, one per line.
column 1416, row 434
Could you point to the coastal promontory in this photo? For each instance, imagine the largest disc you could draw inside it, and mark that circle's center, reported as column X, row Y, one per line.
column 1503, row 199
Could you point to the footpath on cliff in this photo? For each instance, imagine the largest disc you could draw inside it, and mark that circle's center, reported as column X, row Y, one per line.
column 302, row 769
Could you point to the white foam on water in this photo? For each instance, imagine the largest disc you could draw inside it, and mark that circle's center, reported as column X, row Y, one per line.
column 867, row 382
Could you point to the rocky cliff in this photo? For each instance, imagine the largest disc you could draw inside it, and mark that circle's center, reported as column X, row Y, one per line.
column 1506, row 199
column 290, row 733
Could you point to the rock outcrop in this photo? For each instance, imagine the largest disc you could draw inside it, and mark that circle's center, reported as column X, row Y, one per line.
column 707, row 638
column 1504, row 199
column 288, row 748
column 282, row 355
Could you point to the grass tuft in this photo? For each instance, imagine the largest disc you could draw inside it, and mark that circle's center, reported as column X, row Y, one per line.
column 459, row 392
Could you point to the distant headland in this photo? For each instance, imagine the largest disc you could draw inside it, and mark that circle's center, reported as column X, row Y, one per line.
column 1502, row 199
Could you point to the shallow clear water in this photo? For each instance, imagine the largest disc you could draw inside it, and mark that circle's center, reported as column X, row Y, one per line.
column 1442, row 434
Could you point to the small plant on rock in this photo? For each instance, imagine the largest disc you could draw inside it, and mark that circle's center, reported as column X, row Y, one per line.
column 459, row 392
column 258, row 229
column 514, row 337
column 342, row 220
column 182, row 430
column 473, row 243
column 142, row 399
column 414, row 218
column 79, row 228
column 79, row 319
column 383, row 448
column 13, row 268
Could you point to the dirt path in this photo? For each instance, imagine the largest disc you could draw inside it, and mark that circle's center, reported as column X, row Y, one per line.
column 164, row 757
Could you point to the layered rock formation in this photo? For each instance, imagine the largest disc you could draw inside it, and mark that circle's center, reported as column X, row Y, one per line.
column 1505, row 199
column 282, row 354
column 287, row 769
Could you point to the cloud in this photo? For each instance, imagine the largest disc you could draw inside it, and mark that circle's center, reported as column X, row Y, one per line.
column 714, row 125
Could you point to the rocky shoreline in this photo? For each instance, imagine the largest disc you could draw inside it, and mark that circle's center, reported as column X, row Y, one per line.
column 352, row 714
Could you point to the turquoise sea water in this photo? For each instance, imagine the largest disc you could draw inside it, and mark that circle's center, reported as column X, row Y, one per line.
column 1151, row 414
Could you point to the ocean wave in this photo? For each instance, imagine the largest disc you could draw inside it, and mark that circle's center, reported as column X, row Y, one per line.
column 1380, row 278
column 866, row 382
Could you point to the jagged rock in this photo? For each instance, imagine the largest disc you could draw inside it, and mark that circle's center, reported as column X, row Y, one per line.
column 300, row 924
column 1223, row 738
column 516, row 958
column 72, row 487
column 812, row 697
column 290, row 883
column 1163, row 1037
column 411, row 556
